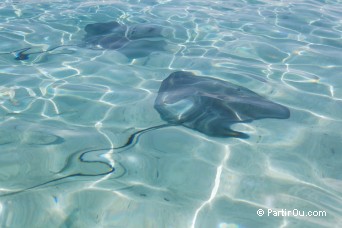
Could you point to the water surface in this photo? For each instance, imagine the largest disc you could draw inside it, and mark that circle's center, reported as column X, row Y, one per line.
column 55, row 106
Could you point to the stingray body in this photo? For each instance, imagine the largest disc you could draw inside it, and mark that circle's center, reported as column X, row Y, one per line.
column 135, row 41
column 211, row 106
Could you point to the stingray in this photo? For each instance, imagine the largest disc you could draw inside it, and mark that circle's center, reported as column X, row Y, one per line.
column 209, row 106
column 135, row 41
column 204, row 104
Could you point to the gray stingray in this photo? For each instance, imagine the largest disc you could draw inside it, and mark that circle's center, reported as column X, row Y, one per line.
column 211, row 106
column 204, row 104
column 135, row 41
column 208, row 105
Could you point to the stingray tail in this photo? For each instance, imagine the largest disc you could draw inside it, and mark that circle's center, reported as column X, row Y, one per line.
column 22, row 55
column 110, row 169
column 132, row 140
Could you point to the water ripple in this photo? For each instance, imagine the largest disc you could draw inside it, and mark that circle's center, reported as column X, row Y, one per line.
column 63, row 111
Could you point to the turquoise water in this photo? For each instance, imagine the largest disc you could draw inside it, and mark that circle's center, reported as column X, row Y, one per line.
column 61, row 112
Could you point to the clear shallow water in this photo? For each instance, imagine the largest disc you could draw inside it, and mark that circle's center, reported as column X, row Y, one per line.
column 57, row 105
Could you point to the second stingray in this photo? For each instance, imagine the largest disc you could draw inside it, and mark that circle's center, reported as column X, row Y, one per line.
column 136, row 41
